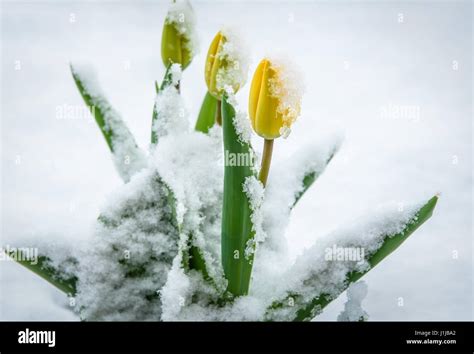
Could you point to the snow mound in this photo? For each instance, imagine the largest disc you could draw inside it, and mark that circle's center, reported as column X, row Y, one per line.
column 131, row 253
column 353, row 311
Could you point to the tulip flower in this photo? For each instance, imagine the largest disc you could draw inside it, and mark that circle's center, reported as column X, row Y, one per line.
column 213, row 63
column 274, row 104
column 226, row 67
column 174, row 48
column 177, row 42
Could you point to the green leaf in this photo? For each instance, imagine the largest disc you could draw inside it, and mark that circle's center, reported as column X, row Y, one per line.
column 192, row 256
column 309, row 178
column 207, row 114
column 43, row 268
column 157, row 87
column 306, row 311
column 96, row 110
column 236, row 212
column 116, row 133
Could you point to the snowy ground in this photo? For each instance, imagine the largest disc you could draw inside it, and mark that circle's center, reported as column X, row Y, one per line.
column 362, row 61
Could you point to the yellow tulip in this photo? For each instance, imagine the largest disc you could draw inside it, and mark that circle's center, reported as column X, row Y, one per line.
column 274, row 104
column 213, row 63
column 270, row 114
column 174, row 46
column 223, row 69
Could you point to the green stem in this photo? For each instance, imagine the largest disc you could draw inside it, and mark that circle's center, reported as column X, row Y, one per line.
column 218, row 113
column 207, row 114
column 266, row 161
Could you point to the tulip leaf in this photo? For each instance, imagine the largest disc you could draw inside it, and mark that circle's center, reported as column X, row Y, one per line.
column 192, row 257
column 96, row 111
column 128, row 157
column 236, row 211
column 43, row 267
column 305, row 310
column 157, row 87
column 207, row 114
column 310, row 177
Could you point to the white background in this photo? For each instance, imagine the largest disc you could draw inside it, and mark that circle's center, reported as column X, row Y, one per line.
column 359, row 59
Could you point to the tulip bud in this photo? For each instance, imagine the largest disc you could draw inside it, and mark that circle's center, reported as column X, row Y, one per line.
column 173, row 47
column 177, row 44
column 225, row 65
column 274, row 101
column 213, row 62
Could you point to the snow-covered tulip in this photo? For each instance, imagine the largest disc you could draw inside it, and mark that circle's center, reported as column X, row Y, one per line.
column 174, row 49
column 274, row 101
column 226, row 64
column 213, row 63
column 274, row 104
column 177, row 42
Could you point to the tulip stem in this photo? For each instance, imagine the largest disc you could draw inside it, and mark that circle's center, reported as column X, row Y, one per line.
column 266, row 161
column 218, row 113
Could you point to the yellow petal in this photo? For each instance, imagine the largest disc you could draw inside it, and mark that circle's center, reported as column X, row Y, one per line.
column 255, row 89
column 268, row 122
column 211, row 58
column 170, row 45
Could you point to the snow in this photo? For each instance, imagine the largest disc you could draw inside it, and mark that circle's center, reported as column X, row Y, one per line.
column 353, row 310
column 176, row 74
column 254, row 191
column 190, row 164
column 234, row 54
column 177, row 288
column 241, row 120
column 288, row 86
column 130, row 254
column 171, row 110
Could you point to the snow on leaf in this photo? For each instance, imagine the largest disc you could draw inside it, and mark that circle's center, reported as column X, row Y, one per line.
column 254, row 190
column 284, row 186
column 127, row 156
column 192, row 169
column 171, row 112
column 327, row 268
column 131, row 253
